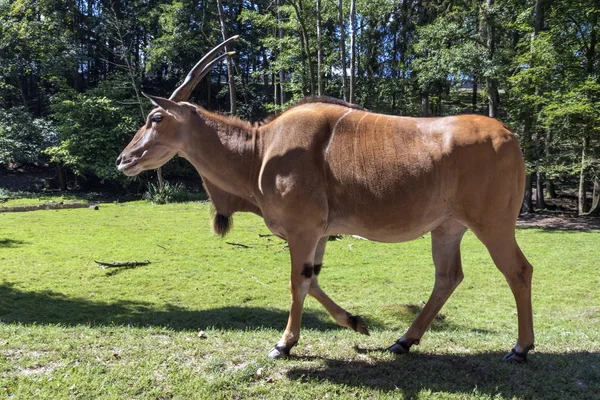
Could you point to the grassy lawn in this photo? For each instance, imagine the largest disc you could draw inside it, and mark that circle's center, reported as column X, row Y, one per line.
column 69, row 329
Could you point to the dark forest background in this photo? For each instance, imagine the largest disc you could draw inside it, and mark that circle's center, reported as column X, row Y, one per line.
column 72, row 73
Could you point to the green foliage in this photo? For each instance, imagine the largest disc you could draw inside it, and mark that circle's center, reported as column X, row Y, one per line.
column 93, row 131
column 5, row 195
column 554, row 90
column 36, row 49
column 23, row 138
column 575, row 111
column 408, row 53
column 169, row 193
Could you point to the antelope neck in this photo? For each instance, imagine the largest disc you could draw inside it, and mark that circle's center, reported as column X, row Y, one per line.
column 226, row 152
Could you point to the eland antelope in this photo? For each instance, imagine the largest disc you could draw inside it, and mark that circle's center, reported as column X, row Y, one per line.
column 325, row 167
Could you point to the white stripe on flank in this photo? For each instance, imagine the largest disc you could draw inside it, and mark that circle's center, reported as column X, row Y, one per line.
column 333, row 132
column 363, row 117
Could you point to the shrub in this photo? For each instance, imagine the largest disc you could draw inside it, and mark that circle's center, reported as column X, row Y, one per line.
column 170, row 193
column 93, row 129
column 22, row 138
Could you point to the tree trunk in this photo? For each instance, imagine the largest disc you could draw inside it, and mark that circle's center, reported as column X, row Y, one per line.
column 60, row 173
column 595, row 209
column 492, row 98
column 352, row 50
column 208, row 86
column 115, row 6
column 275, row 96
column 550, row 188
column 230, row 78
column 581, row 203
column 531, row 150
column 425, row 104
column 305, row 44
column 281, row 71
column 538, row 26
column 319, row 53
column 492, row 87
column 539, row 191
column 527, row 206
column 343, row 49
column 23, row 93
column 394, row 65
column 474, row 97
column 591, row 50
column 161, row 181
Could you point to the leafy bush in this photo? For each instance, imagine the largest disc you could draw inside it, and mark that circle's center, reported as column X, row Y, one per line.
column 23, row 138
column 170, row 193
column 4, row 195
column 94, row 129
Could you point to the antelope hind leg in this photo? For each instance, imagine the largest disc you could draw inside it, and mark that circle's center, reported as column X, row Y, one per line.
column 445, row 240
column 518, row 272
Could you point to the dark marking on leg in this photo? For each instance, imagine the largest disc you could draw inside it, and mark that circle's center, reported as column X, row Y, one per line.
column 402, row 346
column 279, row 352
column 516, row 357
column 307, row 271
column 317, row 269
column 358, row 324
column 352, row 320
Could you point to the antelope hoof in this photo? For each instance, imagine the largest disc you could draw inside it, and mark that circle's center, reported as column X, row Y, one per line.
column 358, row 324
column 515, row 357
column 401, row 347
column 279, row 352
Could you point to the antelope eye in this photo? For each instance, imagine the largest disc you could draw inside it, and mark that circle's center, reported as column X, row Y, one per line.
column 156, row 117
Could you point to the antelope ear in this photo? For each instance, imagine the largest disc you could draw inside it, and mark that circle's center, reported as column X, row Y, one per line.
column 166, row 104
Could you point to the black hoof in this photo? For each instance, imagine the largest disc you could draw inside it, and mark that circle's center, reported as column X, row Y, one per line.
column 358, row 324
column 515, row 357
column 279, row 352
column 401, row 347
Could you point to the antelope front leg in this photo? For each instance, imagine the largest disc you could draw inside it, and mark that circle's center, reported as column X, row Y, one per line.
column 302, row 251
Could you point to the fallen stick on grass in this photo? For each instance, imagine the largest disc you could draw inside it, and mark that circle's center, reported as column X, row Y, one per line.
column 239, row 244
column 105, row 265
column 48, row 206
column 358, row 237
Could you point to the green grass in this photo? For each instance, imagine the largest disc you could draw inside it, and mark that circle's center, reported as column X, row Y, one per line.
column 70, row 329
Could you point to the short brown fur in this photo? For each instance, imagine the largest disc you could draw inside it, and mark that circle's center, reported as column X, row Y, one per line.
column 326, row 167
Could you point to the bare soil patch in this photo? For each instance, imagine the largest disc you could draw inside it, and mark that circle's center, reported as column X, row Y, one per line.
column 545, row 220
column 560, row 213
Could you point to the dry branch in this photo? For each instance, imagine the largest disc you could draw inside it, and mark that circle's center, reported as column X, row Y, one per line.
column 48, row 206
column 118, row 264
column 238, row 244
column 167, row 249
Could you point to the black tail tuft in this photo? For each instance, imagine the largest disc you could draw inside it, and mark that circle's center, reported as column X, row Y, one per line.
column 221, row 224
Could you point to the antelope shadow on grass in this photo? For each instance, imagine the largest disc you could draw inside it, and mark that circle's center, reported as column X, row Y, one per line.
column 6, row 242
column 49, row 307
column 545, row 376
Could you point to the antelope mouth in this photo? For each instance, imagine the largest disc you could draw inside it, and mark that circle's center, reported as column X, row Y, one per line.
column 131, row 166
column 129, row 169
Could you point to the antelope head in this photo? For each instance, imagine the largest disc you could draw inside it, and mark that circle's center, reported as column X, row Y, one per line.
column 161, row 137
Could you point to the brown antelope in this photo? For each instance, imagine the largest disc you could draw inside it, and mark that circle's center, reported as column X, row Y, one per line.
column 325, row 167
